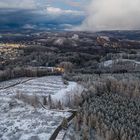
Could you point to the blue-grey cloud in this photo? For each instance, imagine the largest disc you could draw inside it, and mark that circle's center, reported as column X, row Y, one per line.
column 20, row 4
column 18, row 18
column 37, row 14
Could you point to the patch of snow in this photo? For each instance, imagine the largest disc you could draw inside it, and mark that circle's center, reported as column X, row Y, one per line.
column 129, row 60
column 110, row 62
column 39, row 86
column 105, row 38
column 61, row 135
column 73, row 88
column 59, row 41
column 12, row 82
column 75, row 37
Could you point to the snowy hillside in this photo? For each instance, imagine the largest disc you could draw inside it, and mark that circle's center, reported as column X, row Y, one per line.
column 19, row 120
column 109, row 63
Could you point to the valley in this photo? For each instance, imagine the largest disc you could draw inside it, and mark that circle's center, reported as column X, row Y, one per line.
column 69, row 85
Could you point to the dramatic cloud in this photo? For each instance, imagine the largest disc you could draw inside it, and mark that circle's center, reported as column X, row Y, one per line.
column 18, row 4
column 30, row 14
column 112, row 15
column 30, row 4
column 58, row 11
column 13, row 18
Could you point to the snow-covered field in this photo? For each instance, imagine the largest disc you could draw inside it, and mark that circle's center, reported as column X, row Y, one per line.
column 8, row 83
column 20, row 121
column 109, row 63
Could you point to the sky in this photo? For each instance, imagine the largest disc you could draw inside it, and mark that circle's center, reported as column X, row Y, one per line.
column 49, row 14
column 85, row 15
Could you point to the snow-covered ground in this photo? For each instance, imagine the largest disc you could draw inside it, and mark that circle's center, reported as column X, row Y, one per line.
column 12, row 82
column 44, row 86
column 20, row 121
column 109, row 63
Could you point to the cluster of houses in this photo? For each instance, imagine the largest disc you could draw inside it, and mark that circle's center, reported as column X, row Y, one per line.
column 9, row 51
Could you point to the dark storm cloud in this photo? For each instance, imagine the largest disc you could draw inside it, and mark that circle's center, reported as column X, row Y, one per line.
column 18, row 18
